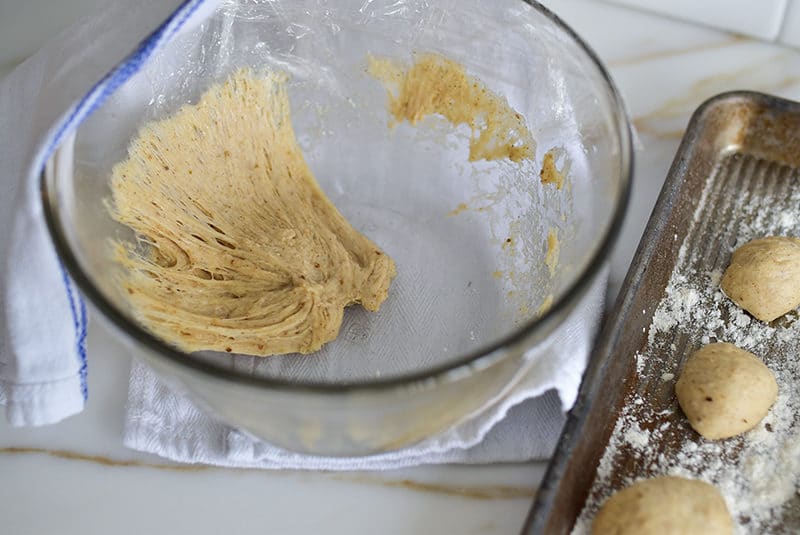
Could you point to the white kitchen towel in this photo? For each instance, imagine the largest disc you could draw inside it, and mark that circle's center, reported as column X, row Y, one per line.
column 42, row 317
column 524, row 425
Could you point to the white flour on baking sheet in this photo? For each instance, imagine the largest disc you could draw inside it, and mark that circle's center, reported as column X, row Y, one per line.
column 758, row 473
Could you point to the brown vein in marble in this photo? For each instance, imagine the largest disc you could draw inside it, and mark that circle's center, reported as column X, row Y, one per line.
column 661, row 54
column 754, row 76
column 491, row 492
column 105, row 461
column 488, row 492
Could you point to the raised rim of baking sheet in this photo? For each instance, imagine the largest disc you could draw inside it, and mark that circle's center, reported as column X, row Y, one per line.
column 760, row 125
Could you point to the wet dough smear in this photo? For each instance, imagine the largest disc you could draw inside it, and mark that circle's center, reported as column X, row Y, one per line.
column 437, row 85
column 240, row 250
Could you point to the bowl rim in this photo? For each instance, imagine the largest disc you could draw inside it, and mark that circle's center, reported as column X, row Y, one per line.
column 480, row 358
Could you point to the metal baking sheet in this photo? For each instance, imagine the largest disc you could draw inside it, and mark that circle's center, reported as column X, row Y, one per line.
column 741, row 149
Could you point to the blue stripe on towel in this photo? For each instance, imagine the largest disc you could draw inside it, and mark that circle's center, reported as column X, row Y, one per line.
column 93, row 99
column 84, row 324
column 78, row 309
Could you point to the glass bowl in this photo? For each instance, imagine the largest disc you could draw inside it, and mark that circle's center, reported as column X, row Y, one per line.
column 475, row 292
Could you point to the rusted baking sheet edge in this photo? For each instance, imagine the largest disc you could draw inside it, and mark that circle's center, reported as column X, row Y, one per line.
column 723, row 124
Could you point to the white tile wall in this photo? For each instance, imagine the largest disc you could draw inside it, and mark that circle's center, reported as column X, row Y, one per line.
column 790, row 33
column 763, row 19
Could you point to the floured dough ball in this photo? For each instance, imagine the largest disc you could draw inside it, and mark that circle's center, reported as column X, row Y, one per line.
column 764, row 277
column 725, row 391
column 665, row 506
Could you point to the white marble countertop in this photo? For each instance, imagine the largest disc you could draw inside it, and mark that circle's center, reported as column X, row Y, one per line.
column 76, row 477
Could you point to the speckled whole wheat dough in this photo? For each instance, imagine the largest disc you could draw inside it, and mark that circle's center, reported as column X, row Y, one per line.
column 241, row 250
column 436, row 85
column 725, row 391
column 665, row 506
column 764, row 277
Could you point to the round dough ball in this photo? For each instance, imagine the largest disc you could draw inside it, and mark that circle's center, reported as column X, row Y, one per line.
column 724, row 390
column 764, row 277
column 665, row 506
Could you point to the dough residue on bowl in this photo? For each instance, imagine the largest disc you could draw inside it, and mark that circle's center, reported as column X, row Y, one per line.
column 438, row 85
column 553, row 251
column 550, row 173
column 240, row 250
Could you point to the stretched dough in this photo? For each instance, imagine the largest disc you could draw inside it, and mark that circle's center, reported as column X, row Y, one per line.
column 725, row 391
column 764, row 277
column 243, row 252
column 665, row 506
